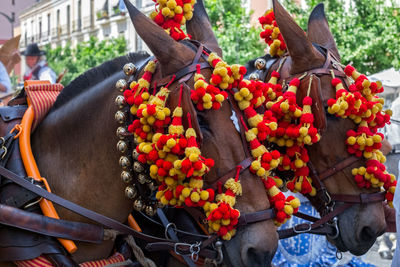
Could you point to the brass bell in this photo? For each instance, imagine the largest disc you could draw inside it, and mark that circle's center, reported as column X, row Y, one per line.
column 120, row 117
column 142, row 178
column 260, row 63
column 121, row 85
column 254, row 76
column 150, row 211
column 129, row 69
column 138, row 167
column 130, row 192
column 121, row 131
column 120, row 101
column 124, row 162
column 122, row 146
column 138, row 204
column 126, row 177
column 152, row 186
column 135, row 154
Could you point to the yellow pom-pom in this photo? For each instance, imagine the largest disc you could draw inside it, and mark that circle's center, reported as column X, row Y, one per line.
column 166, row 11
column 213, row 206
column 298, row 163
column 178, row 10
column 186, row 192
column 204, row 195
column 295, row 203
column 187, row 7
column 297, row 113
column 219, row 98
column 284, row 107
column 255, row 165
column 215, row 226
column 195, row 197
column 164, row 201
column 207, row 98
column 171, row 4
column 225, row 222
column 171, row 143
column 188, row 15
column 303, row 131
column 288, row 209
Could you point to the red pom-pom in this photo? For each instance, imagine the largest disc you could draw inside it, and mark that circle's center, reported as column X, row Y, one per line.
column 349, row 70
column 307, row 101
column 295, row 82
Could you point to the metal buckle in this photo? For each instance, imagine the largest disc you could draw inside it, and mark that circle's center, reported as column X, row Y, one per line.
column 194, row 250
column 302, row 231
column 334, row 224
column 220, row 257
column 167, row 228
column 4, row 153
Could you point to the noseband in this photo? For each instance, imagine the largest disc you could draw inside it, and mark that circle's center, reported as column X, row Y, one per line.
column 324, row 201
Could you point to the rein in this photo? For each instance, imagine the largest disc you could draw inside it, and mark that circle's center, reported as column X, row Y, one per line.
column 324, row 202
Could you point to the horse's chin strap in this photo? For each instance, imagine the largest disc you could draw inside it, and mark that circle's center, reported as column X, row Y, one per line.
column 327, row 224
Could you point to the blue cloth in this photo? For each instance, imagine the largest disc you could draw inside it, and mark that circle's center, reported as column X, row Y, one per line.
column 5, row 79
column 306, row 250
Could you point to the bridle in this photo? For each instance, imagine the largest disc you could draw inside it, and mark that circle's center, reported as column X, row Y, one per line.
column 325, row 202
column 183, row 76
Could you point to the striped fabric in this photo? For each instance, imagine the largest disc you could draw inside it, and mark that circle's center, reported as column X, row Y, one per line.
column 117, row 257
column 42, row 97
column 42, row 261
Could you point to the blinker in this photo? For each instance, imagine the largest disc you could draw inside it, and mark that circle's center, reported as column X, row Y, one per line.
column 260, row 63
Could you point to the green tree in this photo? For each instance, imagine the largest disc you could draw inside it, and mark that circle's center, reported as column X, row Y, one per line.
column 84, row 56
column 367, row 33
column 239, row 41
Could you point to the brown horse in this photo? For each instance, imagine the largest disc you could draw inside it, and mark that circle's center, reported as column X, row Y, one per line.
column 75, row 145
column 360, row 225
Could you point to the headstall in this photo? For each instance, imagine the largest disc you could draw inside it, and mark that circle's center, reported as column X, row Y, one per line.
column 324, row 201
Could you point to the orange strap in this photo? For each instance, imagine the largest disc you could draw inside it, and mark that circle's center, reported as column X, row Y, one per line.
column 33, row 171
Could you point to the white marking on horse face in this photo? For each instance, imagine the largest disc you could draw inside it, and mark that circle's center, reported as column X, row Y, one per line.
column 235, row 121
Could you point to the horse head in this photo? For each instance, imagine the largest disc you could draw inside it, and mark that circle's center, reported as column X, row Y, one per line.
column 253, row 244
column 316, row 53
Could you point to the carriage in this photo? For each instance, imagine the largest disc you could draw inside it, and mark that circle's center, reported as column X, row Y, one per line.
column 202, row 147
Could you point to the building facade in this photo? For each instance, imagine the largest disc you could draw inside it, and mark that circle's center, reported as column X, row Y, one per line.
column 62, row 22
column 9, row 17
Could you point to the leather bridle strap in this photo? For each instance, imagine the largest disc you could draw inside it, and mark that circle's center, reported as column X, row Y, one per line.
column 258, row 216
column 101, row 219
column 337, row 167
column 318, row 227
column 244, row 164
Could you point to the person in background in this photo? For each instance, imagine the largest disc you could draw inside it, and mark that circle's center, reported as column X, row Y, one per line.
column 5, row 82
column 37, row 65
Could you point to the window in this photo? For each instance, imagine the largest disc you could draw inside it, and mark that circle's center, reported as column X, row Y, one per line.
column 79, row 15
column 32, row 32
column 68, row 19
column 91, row 13
column 48, row 24
column 13, row 2
column 40, row 30
column 58, row 23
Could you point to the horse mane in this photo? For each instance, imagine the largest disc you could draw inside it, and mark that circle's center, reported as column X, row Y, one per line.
column 96, row 75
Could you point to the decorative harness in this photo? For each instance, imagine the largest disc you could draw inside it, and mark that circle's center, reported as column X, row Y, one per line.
column 324, row 201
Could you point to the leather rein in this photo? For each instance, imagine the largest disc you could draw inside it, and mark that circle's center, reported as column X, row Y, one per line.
column 324, row 201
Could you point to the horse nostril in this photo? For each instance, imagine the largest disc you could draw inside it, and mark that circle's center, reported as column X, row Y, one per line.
column 257, row 258
column 368, row 234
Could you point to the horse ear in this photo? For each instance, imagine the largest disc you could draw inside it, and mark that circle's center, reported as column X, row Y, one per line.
column 200, row 28
column 304, row 56
column 169, row 53
column 319, row 32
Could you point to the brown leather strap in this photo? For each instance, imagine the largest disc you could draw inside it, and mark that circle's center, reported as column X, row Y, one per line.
column 48, row 226
column 111, row 223
column 363, row 198
column 101, row 219
column 244, row 164
column 258, row 216
column 186, row 70
column 180, row 248
column 314, row 227
column 338, row 167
